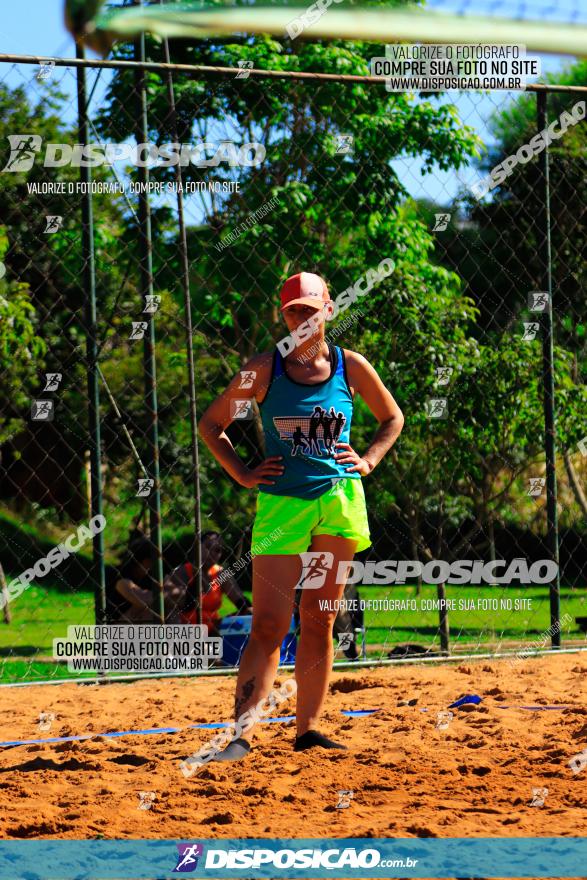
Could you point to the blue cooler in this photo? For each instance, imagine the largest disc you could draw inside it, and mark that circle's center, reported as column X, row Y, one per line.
column 235, row 631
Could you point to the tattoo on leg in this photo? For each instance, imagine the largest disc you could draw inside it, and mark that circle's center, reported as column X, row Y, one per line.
column 246, row 693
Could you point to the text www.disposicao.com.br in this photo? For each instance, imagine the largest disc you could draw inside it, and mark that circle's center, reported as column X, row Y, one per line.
column 135, row 664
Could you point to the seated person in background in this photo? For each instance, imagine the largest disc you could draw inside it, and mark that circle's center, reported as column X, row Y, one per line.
column 130, row 590
column 181, row 588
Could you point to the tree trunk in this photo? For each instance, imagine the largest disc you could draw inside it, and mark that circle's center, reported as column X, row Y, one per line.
column 4, row 585
column 574, row 483
column 488, row 517
column 443, row 627
column 414, row 539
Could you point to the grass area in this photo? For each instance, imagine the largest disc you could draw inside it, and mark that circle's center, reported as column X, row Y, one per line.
column 522, row 615
column 42, row 614
column 39, row 616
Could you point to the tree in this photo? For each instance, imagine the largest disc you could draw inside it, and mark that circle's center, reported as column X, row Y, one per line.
column 337, row 213
column 501, row 268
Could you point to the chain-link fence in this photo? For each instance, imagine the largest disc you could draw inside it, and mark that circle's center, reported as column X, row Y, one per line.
column 136, row 284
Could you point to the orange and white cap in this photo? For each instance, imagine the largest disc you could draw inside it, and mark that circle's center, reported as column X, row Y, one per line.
column 304, row 289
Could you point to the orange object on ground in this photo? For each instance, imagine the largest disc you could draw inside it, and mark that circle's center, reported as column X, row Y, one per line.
column 211, row 598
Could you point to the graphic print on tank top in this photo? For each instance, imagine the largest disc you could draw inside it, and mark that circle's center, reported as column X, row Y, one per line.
column 303, row 423
column 316, row 434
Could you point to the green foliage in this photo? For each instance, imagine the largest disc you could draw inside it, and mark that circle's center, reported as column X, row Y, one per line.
column 335, row 213
column 21, row 349
column 507, row 266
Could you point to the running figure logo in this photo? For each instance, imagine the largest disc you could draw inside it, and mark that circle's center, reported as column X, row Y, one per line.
column 187, row 860
column 315, row 566
column 317, row 434
column 23, row 149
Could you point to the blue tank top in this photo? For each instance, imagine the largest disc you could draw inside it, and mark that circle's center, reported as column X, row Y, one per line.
column 303, row 423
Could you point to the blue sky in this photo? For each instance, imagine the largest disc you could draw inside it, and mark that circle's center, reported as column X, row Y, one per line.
column 35, row 27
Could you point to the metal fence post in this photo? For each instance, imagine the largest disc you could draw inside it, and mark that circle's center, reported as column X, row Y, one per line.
column 89, row 286
column 187, row 305
column 150, row 367
column 545, row 261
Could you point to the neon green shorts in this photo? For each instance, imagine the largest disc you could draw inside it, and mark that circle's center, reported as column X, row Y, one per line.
column 286, row 525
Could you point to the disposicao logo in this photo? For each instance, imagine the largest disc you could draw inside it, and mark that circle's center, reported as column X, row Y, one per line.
column 24, row 149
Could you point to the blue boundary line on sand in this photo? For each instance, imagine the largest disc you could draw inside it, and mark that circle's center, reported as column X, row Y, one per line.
column 214, row 725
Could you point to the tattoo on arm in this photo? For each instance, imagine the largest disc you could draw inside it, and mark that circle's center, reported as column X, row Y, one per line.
column 246, row 693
